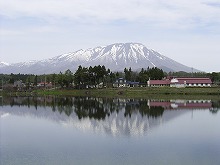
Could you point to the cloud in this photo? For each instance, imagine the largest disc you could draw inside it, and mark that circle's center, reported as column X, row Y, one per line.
column 50, row 27
column 189, row 13
column 6, row 32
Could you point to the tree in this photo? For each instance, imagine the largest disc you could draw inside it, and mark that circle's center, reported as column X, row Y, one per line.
column 35, row 80
column 54, row 79
column 68, row 78
column 214, row 76
column 28, row 82
column 128, row 74
column 143, row 76
column 156, row 73
column 112, row 77
column 81, row 76
column 117, row 74
column 77, row 76
column 60, row 78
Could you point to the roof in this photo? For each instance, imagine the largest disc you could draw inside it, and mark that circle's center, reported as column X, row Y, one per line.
column 132, row 83
column 187, row 80
column 159, row 82
column 194, row 80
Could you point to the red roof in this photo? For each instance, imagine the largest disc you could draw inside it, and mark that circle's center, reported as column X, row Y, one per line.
column 159, row 82
column 194, row 80
column 186, row 80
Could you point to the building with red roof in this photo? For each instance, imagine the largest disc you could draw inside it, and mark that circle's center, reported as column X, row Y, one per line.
column 181, row 82
column 190, row 82
column 159, row 83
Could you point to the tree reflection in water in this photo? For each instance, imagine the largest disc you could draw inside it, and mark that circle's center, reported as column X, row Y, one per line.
column 100, row 108
column 142, row 107
column 91, row 107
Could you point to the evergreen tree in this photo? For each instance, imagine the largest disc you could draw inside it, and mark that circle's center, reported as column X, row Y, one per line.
column 60, row 78
column 68, row 78
column 128, row 74
column 35, row 80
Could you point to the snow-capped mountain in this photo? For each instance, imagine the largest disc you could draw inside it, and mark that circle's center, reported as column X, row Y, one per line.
column 3, row 64
column 116, row 57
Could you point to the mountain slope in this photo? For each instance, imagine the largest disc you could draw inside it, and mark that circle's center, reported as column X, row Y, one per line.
column 3, row 64
column 116, row 57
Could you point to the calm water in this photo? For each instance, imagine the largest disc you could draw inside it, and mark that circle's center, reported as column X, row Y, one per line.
column 75, row 131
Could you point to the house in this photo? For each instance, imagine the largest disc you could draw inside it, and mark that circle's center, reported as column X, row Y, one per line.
column 158, row 83
column 19, row 85
column 44, row 85
column 190, row 82
column 132, row 84
column 181, row 82
column 121, row 82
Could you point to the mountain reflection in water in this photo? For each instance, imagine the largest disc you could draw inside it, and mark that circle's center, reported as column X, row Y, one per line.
column 126, row 117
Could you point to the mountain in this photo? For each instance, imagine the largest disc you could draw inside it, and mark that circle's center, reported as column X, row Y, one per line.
column 3, row 64
column 116, row 57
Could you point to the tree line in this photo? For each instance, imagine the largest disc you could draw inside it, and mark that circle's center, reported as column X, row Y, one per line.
column 95, row 108
column 84, row 77
column 93, row 76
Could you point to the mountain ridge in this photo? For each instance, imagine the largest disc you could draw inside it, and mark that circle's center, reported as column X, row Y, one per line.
column 115, row 57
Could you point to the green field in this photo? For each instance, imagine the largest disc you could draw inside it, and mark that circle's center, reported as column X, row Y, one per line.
column 145, row 92
column 139, row 92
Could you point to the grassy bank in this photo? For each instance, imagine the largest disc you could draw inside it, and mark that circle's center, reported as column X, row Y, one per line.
column 131, row 92
column 139, row 92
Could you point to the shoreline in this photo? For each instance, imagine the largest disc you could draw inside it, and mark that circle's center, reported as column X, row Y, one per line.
column 145, row 92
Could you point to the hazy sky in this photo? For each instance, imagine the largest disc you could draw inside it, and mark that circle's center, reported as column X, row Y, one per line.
column 187, row 31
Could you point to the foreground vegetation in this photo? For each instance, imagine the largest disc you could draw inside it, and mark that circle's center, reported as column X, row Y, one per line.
column 139, row 91
column 93, row 76
column 146, row 92
column 76, row 84
column 84, row 77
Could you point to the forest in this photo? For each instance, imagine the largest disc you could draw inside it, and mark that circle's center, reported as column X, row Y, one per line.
column 93, row 76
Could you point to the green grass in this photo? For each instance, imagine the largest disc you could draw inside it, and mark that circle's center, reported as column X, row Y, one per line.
column 163, row 92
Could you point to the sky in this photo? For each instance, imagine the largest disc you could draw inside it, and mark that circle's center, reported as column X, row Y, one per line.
column 187, row 31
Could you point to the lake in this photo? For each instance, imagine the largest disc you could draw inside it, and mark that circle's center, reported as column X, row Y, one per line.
column 87, row 130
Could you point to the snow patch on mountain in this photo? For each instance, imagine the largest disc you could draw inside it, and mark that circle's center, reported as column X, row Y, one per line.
column 3, row 64
column 115, row 57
